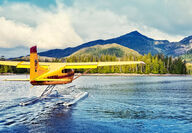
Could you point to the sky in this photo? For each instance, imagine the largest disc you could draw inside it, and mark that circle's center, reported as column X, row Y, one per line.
column 67, row 23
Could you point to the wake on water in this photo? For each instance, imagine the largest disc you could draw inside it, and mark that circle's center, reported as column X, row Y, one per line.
column 12, row 113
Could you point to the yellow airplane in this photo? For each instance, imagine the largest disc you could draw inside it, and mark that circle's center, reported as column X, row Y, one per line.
column 51, row 73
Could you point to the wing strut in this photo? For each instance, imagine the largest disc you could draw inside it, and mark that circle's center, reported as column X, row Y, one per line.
column 47, row 91
column 83, row 73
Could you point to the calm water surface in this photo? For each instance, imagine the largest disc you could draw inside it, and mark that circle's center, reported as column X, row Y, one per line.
column 115, row 104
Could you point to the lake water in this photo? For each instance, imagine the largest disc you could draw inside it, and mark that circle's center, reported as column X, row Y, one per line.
column 115, row 104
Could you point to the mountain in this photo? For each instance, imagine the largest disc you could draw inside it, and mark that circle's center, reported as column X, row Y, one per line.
column 136, row 41
column 108, row 49
column 133, row 40
column 41, row 58
column 186, row 40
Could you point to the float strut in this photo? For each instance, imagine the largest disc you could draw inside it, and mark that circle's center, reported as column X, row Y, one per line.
column 47, row 91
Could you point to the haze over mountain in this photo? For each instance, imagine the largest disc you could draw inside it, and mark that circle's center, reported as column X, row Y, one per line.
column 133, row 40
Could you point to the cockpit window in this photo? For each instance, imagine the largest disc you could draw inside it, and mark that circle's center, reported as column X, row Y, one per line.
column 66, row 70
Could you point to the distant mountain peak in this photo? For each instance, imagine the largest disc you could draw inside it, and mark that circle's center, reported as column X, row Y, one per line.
column 186, row 40
column 133, row 40
column 135, row 33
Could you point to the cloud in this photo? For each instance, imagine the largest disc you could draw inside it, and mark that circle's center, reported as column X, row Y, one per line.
column 170, row 18
column 64, row 26
column 91, row 23
column 12, row 33
column 32, row 25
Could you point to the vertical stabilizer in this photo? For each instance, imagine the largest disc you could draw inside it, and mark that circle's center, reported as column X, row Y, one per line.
column 35, row 69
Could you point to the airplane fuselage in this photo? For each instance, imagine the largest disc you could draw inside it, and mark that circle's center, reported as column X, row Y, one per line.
column 65, row 76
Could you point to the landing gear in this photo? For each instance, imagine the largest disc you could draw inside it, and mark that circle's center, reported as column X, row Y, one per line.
column 44, row 94
column 67, row 96
column 47, row 91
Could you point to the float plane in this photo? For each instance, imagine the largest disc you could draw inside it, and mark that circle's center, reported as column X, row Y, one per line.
column 54, row 73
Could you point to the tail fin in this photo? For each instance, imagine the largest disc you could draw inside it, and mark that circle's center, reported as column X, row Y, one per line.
column 35, row 69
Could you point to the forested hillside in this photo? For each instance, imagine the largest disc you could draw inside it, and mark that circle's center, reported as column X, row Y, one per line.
column 107, row 49
column 157, row 64
column 133, row 40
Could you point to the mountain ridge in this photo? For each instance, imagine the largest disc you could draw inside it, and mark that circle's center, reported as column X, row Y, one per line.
column 133, row 40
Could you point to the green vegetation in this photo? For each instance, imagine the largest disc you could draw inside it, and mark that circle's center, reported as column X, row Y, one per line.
column 11, row 69
column 187, row 57
column 118, row 52
column 157, row 64
column 107, row 49
column 189, row 68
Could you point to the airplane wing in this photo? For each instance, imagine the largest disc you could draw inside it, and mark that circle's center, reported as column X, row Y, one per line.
column 79, row 65
column 52, row 66
column 22, row 64
column 15, row 63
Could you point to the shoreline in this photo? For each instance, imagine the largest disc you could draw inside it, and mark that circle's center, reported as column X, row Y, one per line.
column 112, row 74
column 130, row 74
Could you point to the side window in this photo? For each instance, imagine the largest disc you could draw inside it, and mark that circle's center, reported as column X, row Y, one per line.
column 63, row 71
column 66, row 70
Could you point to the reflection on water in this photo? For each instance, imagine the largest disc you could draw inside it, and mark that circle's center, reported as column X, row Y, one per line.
column 115, row 104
